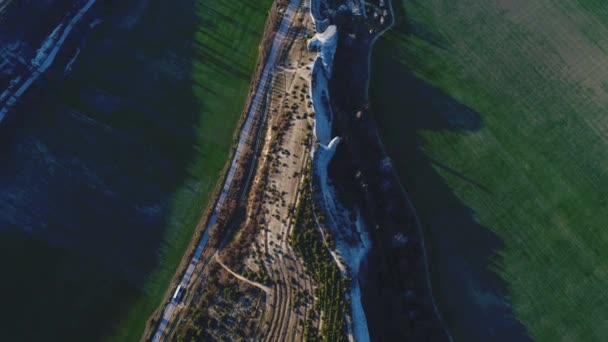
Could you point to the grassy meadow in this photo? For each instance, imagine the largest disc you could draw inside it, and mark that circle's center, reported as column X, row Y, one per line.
column 226, row 42
column 496, row 116
column 224, row 48
column 119, row 161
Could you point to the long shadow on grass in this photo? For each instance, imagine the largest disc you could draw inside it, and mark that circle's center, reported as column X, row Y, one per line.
column 464, row 255
column 99, row 182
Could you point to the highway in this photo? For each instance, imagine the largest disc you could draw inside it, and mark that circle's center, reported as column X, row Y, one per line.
column 244, row 136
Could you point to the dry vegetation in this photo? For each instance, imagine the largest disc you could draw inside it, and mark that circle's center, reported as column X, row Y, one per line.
column 225, row 309
column 253, row 231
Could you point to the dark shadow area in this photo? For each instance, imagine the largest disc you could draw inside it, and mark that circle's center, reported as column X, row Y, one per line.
column 458, row 174
column 395, row 297
column 91, row 163
column 463, row 255
column 43, row 14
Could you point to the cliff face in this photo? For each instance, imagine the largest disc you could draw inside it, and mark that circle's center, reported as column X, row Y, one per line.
column 395, row 291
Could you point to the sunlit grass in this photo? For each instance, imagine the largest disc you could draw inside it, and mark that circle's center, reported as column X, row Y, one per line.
column 495, row 114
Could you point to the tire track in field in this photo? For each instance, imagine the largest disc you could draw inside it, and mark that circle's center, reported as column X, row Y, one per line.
column 279, row 307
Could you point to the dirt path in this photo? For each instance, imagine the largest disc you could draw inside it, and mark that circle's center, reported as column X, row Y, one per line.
column 240, row 277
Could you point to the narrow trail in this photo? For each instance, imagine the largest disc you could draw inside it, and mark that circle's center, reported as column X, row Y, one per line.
column 283, row 300
column 240, row 277
column 284, row 330
column 276, row 311
column 293, row 258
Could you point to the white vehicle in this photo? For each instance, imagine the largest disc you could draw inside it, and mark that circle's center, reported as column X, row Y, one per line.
column 179, row 293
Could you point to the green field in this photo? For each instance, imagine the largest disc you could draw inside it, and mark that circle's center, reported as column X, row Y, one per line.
column 226, row 40
column 496, row 116
column 108, row 172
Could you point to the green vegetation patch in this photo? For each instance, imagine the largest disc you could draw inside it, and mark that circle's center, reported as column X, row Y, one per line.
column 224, row 44
column 330, row 304
column 108, row 168
column 140, row 129
column 495, row 115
